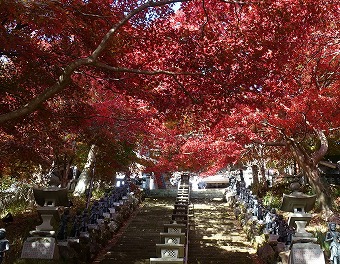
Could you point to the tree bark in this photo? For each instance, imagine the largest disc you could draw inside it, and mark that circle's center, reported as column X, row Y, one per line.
column 256, row 182
column 308, row 164
column 85, row 176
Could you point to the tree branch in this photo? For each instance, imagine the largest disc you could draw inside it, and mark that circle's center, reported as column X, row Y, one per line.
column 143, row 72
column 65, row 77
column 121, row 23
column 181, row 86
column 274, row 143
column 321, row 152
column 32, row 105
column 207, row 17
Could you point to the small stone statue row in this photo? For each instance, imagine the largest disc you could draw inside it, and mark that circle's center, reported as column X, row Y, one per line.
column 82, row 219
column 274, row 223
column 251, row 202
column 277, row 225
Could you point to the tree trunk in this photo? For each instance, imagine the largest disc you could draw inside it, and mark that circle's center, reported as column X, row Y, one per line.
column 256, row 184
column 319, row 187
column 64, row 172
column 85, row 176
column 263, row 174
column 308, row 164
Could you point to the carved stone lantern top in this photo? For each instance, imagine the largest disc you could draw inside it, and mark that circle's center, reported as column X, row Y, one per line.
column 51, row 196
column 297, row 202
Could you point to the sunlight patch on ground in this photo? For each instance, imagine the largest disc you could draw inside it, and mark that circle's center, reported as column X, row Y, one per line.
column 238, row 249
column 210, row 229
column 155, row 203
column 219, row 236
column 234, row 233
column 202, row 207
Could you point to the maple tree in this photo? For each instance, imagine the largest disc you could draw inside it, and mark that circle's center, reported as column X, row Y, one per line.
column 225, row 73
column 44, row 41
column 276, row 82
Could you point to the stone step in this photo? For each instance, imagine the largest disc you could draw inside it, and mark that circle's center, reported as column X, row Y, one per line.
column 215, row 236
column 138, row 243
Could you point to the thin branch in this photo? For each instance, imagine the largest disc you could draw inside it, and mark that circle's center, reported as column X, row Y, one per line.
column 332, row 129
column 279, row 129
column 207, row 17
column 144, row 72
column 121, row 23
column 195, row 101
column 273, row 143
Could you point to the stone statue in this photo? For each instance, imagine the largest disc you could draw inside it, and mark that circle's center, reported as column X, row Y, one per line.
column 270, row 220
column 102, row 208
column 284, row 231
column 95, row 210
column 106, row 200
column 259, row 211
column 333, row 237
column 255, row 208
column 84, row 222
column 232, row 182
column 4, row 244
column 75, row 230
column 238, row 188
column 62, row 232
column 246, row 196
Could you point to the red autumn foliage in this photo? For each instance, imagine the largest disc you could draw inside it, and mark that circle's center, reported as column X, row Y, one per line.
column 188, row 86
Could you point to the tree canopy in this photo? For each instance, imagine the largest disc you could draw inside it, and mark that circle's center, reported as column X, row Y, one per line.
column 191, row 86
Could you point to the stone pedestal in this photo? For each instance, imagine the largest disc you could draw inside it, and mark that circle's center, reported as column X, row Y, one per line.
column 299, row 221
column 40, row 248
column 107, row 215
column 284, row 255
column 273, row 238
column 306, row 253
column 48, row 214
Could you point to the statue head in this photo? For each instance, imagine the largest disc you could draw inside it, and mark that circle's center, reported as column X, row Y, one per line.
column 295, row 186
column 332, row 226
column 2, row 233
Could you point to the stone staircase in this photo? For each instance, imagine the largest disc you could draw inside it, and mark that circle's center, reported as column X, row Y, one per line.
column 137, row 243
column 215, row 236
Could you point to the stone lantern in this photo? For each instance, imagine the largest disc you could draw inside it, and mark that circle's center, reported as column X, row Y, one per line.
column 303, row 249
column 48, row 200
column 42, row 243
column 299, row 204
